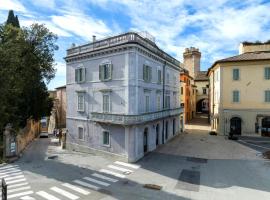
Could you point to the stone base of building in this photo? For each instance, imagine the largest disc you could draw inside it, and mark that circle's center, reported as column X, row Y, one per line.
column 129, row 143
column 244, row 122
column 84, row 149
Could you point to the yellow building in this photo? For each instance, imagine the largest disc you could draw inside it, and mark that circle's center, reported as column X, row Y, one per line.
column 240, row 92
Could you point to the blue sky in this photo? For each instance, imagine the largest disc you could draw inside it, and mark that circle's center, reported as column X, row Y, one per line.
column 216, row 27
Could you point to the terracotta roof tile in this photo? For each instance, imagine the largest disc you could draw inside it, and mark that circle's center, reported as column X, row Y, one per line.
column 201, row 76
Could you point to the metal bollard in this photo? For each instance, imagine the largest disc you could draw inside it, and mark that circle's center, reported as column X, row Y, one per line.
column 4, row 189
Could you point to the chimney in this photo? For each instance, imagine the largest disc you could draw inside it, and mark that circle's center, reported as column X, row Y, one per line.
column 94, row 38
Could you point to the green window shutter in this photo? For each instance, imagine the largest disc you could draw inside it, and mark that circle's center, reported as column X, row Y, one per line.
column 150, row 74
column 267, row 73
column 110, row 71
column 144, row 72
column 76, row 75
column 235, row 74
column 267, row 95
column 101, row 72
column 235, row 96
column 83, row 74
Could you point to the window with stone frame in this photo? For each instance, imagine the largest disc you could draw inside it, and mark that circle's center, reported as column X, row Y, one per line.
column 105, row 72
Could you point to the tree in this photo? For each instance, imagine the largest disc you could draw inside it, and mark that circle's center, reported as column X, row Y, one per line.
column 26, row 64
column 12, row 19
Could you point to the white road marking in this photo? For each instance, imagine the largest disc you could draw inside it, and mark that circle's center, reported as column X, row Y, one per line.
column 65, row 193
column 20, row 194
column 8, row 175
column 8, row 166
column 112, row 173
column 27, row 198
column 76, row 188
column 17, row 185
column 10, row 172
column 19, row 189
column 105, row 177
column 127, row 165
column 119, row 168
column 86, row 184
column 96, row 181
column 7, row 170
column 46, row 195
column 14, row 177
column 15, row 181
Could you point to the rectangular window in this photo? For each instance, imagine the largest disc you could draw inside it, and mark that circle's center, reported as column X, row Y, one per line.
column 147, row 73
column 174, row 99
column 80, row 101
column 80, row 75
column 106, row 138
column 80, row 133
column 204, row 90
column 167, row 102
column 267, row 96
column 105, row 72
column 236, row 96
column 106, row 103
column 158, row 103
column 159, row 76
column 235, row 74
column 147, row 102
column 267, row 73
column 168, row 78
column 181, row 90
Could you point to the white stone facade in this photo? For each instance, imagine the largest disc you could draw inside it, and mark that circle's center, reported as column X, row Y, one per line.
column 126, row 106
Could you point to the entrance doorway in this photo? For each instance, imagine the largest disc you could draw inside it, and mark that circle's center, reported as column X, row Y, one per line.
column 157, row 134
column 266, row 126
column 145, row 140
column 235, row 126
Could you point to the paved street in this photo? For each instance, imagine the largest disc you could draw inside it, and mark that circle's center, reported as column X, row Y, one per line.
column 193, row 165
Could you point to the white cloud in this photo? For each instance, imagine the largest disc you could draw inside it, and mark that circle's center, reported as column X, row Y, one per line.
column 12, row 5
column 60, row 69
column 82, row 25
column 51, row 26
column 215, row 26
column 44, row 3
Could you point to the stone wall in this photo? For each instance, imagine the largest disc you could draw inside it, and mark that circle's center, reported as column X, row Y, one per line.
column 27, row 135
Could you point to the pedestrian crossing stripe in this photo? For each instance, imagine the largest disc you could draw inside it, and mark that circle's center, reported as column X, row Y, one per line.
column 76, row 188
column 47, row 196
column 120, row 169
column 14, row 177
column 17, row 185
column 96, row 181
column 105, row 171
column 82, row 183
column 64, row 193
column 20, row 194
column 8, row 166
column 10, row 172
column 15, row 181
column 19, row 189
column 7, row 170
column 104, row 177
column 10, row 175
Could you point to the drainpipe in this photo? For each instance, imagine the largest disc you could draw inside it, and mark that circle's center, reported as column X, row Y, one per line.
column 213, row 106
column 163, row 100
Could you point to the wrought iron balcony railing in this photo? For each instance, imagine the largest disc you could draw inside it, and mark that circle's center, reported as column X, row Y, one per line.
column 133, row 119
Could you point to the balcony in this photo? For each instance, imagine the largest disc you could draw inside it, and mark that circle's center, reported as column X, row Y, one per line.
column 125, row 38
column 133, row 119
